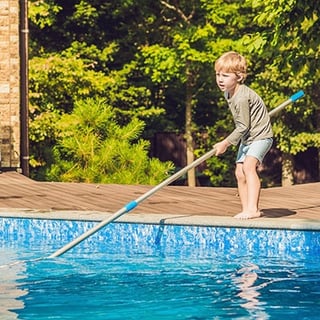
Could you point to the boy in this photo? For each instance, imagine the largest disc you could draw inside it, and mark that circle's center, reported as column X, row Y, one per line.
column 252, row 129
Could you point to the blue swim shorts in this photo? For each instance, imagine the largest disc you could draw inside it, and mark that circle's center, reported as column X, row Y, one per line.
column 257, row 149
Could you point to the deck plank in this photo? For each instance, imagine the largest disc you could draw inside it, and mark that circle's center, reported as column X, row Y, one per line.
column 18, row 191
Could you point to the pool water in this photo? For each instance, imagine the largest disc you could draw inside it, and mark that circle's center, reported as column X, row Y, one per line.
column 132, row 271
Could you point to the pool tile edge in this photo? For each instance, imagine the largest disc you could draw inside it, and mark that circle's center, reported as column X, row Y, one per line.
column 168, row 219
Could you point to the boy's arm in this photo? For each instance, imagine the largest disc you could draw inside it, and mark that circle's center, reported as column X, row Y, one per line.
column 221, row 147
column 241, row 117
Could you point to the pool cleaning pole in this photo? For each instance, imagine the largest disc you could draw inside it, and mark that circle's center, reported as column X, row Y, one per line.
column 131, row 205
column 292, row 99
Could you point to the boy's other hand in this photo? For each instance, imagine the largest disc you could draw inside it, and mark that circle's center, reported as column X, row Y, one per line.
column 221, row 147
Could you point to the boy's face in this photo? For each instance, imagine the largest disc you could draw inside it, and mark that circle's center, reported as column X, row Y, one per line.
column 227, row 81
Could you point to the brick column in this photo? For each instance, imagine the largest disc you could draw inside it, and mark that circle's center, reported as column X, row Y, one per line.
column 9, row 84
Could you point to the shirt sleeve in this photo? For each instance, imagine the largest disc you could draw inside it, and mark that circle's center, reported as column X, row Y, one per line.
column 241, row 116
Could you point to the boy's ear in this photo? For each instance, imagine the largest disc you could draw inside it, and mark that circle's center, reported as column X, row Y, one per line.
column 240, row 78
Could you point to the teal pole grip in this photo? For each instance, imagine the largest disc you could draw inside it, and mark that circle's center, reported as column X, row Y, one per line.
column 297, row 96
column 131, row 205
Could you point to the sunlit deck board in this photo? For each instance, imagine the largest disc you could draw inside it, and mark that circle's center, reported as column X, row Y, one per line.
column 18, row 192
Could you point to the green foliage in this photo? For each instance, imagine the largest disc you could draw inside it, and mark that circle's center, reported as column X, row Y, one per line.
column 293, row 24
column 186, row 53
column 289, row 44
column 93, row 147
column 85, row 13
column 150, row 59
column 292, row 141
column 57, row 80
column 161, row 63
column 42, row 133
column 79, row 72
column 43, row 13
column 302, row 141
column 220, row 170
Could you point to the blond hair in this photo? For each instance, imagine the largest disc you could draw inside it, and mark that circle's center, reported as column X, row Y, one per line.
column 232, row 62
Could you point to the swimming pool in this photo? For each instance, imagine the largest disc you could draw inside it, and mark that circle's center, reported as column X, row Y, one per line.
column 149, row 271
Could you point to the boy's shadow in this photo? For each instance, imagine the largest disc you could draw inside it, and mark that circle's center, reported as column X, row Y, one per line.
column 277, row 212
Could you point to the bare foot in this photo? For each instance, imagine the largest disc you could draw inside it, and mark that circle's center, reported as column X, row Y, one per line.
column 248, row 215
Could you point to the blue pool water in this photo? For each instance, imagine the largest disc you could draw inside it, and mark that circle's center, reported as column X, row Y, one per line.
column 140, row 271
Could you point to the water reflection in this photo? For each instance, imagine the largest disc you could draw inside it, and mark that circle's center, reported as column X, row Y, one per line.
column 10, row 292
column 246, row 281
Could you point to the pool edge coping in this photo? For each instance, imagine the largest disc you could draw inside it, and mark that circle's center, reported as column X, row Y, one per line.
column 167, row 219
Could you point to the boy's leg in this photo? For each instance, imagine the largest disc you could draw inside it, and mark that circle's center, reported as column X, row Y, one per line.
column 251, row 156
column 242, row 186
column 251, row 189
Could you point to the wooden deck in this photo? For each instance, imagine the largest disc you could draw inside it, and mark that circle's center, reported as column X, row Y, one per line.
column 21, row 194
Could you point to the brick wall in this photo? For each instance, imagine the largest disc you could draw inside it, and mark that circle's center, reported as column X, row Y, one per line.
column 9, row 84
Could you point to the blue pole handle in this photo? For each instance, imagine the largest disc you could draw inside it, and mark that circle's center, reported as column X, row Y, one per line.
column 131, row 205
column 297, row 96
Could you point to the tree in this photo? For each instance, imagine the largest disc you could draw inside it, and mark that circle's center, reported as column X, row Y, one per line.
column 92, row 147
column 230, row 20
column 64, row 69
column 184, row 60
column 154, row 60
column 288, row 42
column 58, row 80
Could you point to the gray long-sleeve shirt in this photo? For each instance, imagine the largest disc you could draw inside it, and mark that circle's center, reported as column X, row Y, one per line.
column 250, row 115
